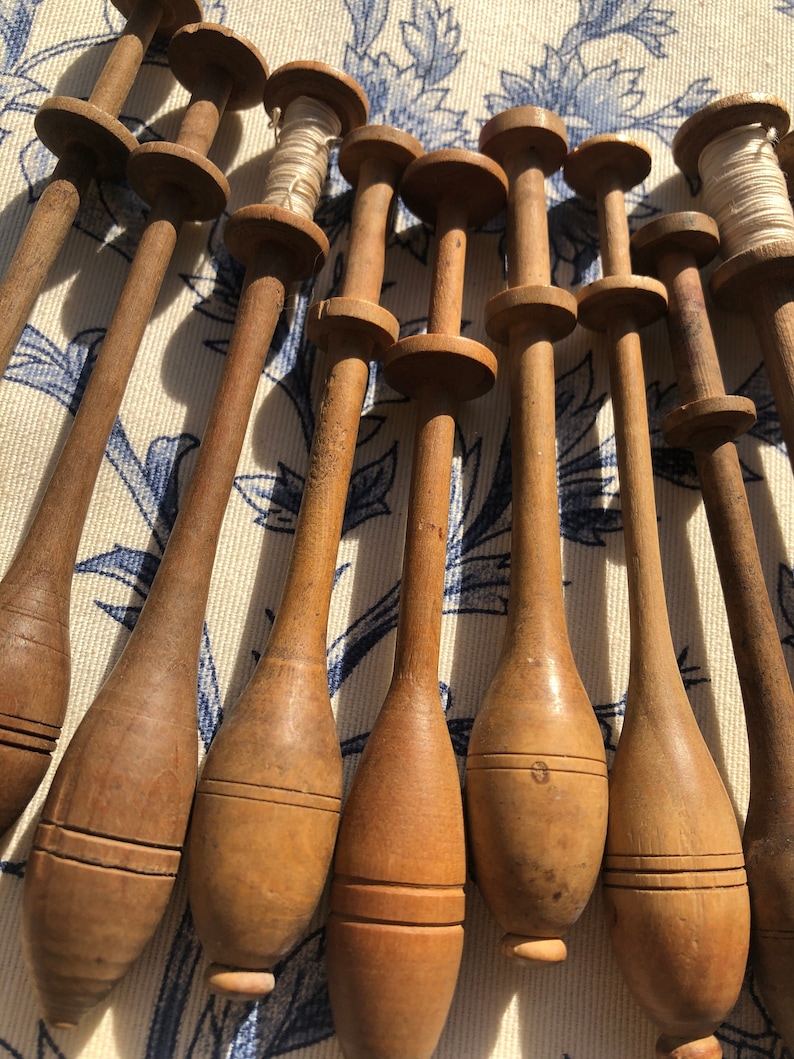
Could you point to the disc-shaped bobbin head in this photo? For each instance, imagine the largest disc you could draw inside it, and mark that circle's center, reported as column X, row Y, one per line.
column 460, row 366
column 195, row 48
column 62, row 122
column 691, row 233
column 377, row 142
column 626, row 156
column 176, row 13
column 472, row 180
column 317, row 80
column 526, row 129
column 722, row 115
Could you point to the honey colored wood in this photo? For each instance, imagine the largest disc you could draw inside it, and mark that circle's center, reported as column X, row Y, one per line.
column 35, row 592
column 90, row 142
column 674, row 883
column 536, row 778
column 395, row 931
column 708, row 422
column 757, row 281
column 267, row 806
column 107, row 849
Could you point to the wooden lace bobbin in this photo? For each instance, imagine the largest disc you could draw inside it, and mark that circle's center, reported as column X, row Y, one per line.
column 674, row 882
column 180, row 184
column 536, row 778
column 757, row 275
column 395, row 934
column 708, row 422
column 267, row 806
column 89, row 142
column 114, row 823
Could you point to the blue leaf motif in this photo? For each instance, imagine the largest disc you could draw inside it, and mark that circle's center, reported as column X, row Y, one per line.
column 130, row 566
column 432, row 38
column 275, row 497
column 399, row 97
column 13, row 867
column 369, row 18
column 369, row 486
column 767, row 425
column 62, row 374
column 637, row 18
column 16, row 20
column 154, row 484
column 174, row 990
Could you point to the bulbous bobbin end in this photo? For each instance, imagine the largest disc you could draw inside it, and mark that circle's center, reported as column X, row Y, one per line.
column 676, row 1048
column 540, row 951
column 236, row 983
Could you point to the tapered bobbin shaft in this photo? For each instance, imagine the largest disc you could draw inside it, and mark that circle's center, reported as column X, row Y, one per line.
column 35, row 592
column 536, row 778
column 757, row 275
column 395, row 934
column 708, row 422
column 90, row 142
column 114, row 823
column 253, row 886
column 674, row 882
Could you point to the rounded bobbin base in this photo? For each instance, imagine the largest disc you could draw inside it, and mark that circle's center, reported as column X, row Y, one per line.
column 352, row 315
column 675, row 1048
column 239, row 984
column 551, row 309
column 539, row 951
column 601, row 302
column 196, row 47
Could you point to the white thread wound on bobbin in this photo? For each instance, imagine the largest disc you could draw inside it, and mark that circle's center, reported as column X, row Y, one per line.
column 300, row 161
column 745, row 190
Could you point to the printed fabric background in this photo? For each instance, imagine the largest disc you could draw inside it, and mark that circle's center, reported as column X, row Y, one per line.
column 438, row 71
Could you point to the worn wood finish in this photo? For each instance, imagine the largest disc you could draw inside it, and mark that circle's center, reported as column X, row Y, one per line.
column 109, row 844
column 674, row 882
column 267, row 806
column 90, row 142
column 708, row 422
column 536, row 778
column 35, row 592
column 395, row 933
column 757, row 281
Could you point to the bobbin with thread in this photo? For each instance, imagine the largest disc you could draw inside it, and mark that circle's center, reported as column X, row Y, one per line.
column 729, row 144
column 287, row 768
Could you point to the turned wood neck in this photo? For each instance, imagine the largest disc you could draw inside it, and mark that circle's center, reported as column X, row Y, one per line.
column 178, row 595
column 205, row 110
column 528, row 227
column 301, row 624
column 651, row 640
column 366, row 255
column 424, row 564
column 114, row 83
column 449, row 266
column 613, row 231
column 536, row 613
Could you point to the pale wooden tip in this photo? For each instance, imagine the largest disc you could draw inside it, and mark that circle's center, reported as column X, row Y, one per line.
column 533, row 950
column 680, row 1048
column 239, row 984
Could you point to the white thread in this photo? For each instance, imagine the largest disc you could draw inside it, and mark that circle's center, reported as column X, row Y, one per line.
column 300, row 161
column 745, row 189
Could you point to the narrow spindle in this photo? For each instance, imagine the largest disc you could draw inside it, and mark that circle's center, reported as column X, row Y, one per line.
column 674, row 883
column 395, row 933
column 708, row 422
column 536, row 778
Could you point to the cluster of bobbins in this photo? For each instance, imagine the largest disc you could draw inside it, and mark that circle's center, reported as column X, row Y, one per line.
column 680, row 887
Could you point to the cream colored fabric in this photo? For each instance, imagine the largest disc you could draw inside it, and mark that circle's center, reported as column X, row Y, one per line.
column 439, row 73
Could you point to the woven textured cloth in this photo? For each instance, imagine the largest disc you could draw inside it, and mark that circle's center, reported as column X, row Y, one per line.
column 637, row 67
